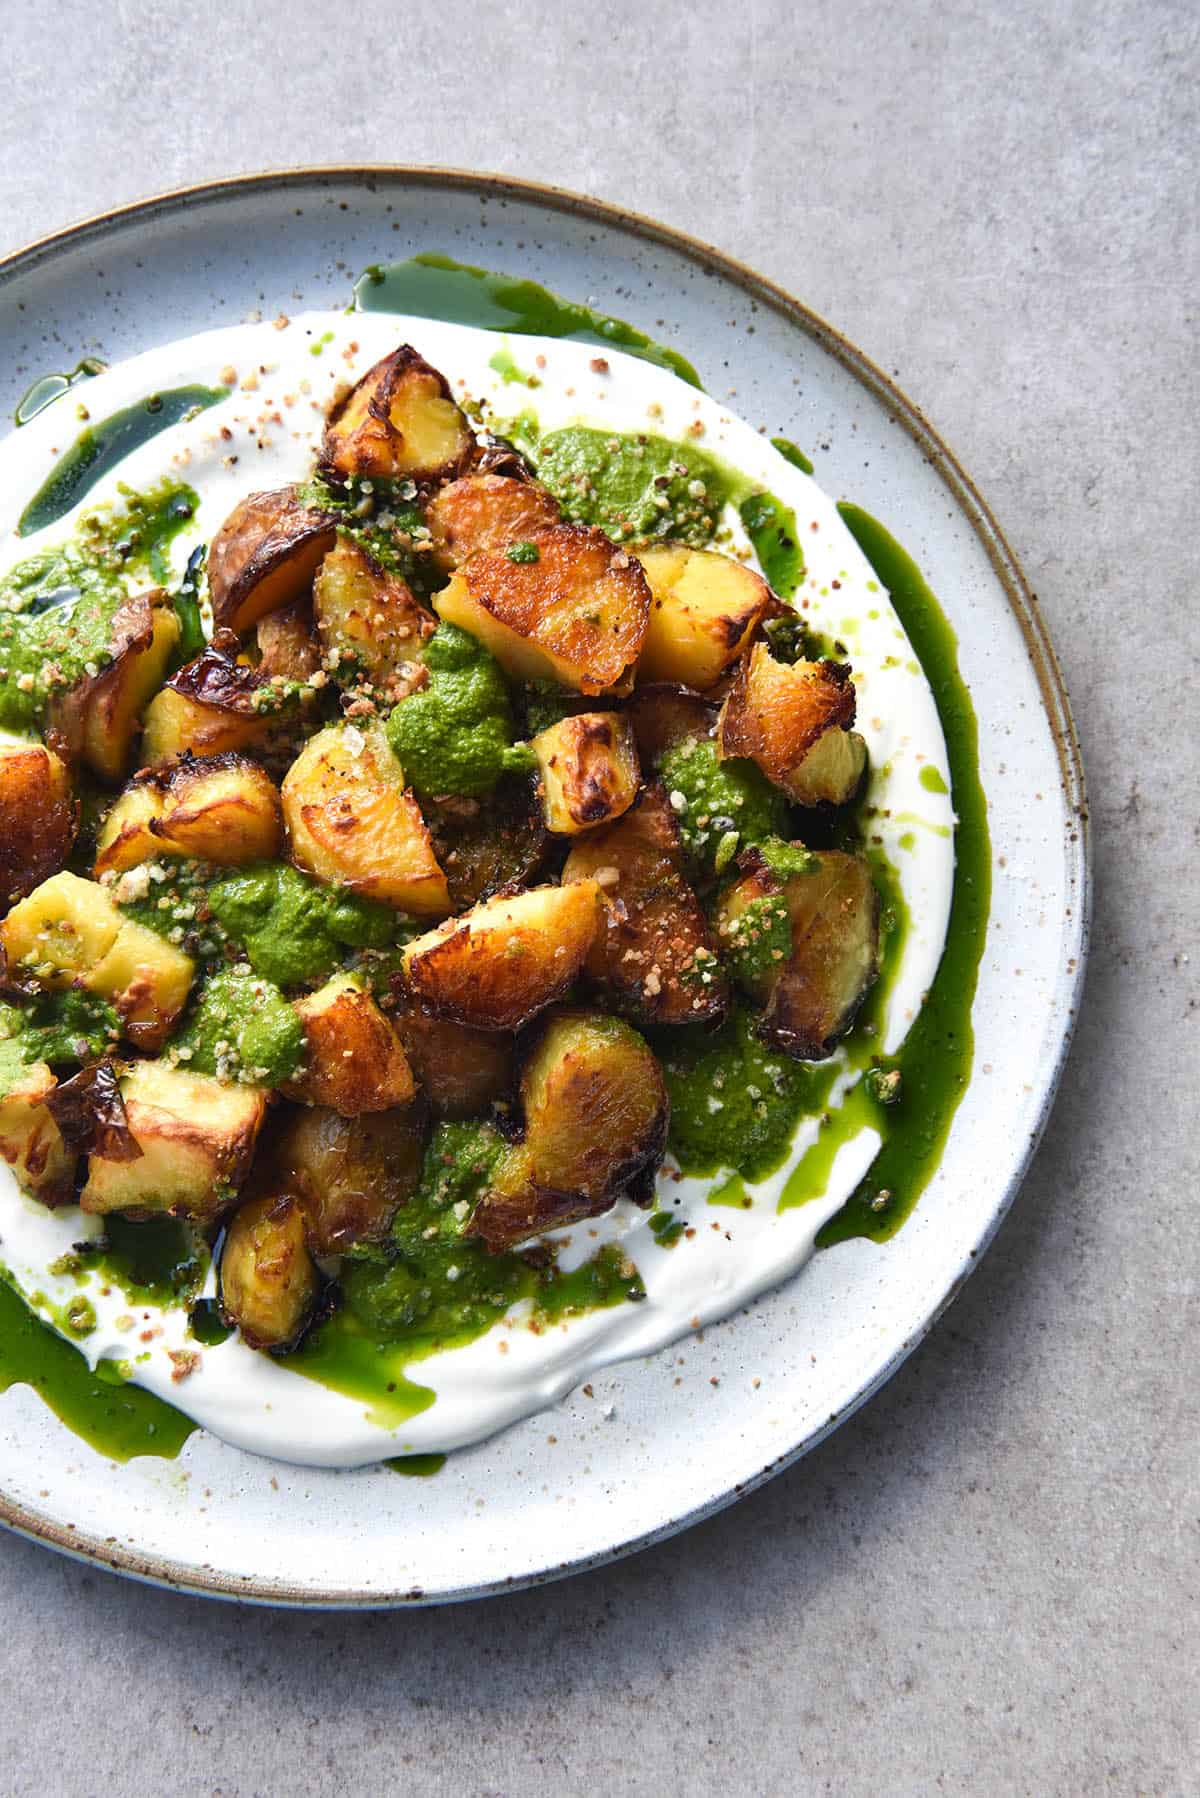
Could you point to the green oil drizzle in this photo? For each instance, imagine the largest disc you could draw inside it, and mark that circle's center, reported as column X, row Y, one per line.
column 101, row 447
column 48, row 388
column 510, row 370
column 790, row 453
column 416, row 1467
column 935, row 1059
column 931, row 780
column 732, row 1194
column 771, row 528
column 434, row 286
column 116, row 1419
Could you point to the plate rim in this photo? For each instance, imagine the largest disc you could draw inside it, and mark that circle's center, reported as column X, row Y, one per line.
column 1043, row 659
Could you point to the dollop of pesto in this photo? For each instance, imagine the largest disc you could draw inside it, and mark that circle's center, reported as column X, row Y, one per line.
column 57, row 607
column 242, row 1029
column 293, row 929
column 634, row 487
column 758, row 939
column 720, row 807
column 59, row 1028
column 455, row 734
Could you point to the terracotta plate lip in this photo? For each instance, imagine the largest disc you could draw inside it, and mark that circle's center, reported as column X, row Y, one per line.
column 205, row 1582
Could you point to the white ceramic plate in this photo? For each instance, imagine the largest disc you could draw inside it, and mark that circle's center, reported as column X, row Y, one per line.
column 663, row 1441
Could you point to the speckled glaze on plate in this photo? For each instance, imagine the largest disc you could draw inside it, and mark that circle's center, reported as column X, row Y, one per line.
column 663, row 1442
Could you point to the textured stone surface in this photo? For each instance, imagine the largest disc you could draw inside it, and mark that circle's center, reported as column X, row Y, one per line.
column 986, row 1581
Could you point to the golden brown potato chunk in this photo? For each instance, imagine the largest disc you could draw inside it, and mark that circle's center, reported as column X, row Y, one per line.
column 287, row 646
column 352, row 823
column 780, row 714
column 269, row 1283
column 590, row 771
column 398, row 421
column 30, row 1140
column 99, row 719
column 177, row 724
column 265, row 555
column 704, row 608
column 460, row 1071
column 224, row 810
column 654, row 956
column 596, row 1115
column 576, row 615
column 486, row 511
column 810, row 999
column 502, row 963
column 68, row 932
column 366, row 617
column 354, row 1061
column 197, row 1139
column 38, row 816
column 349, row 1175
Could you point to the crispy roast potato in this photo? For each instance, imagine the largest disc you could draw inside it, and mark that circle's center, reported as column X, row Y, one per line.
column 269, row 1282
column 654, row 956
column 590, row 771
column 38, row 816
column 98, row 719
column 704, row 608
column 30, row 1140
column 576, row 615
column 365, row 616
column 68, row 932
column 596, row 1116
column 354, row 1061
column 197, row 1139
column 352, row 823
column 486, row 846
column 287, row 644
column 664, row 714
column 265, row 555
column 217, row 703
column 460, row 1071
column 486, row 511
column 780, row 714
column 349, row 1175
column 810, row 999
column 224, row 810
column 508, row 959
column 399, row 421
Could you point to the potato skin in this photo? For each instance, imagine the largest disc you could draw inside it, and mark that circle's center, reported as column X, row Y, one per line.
column 460, row 1071
column 596, row 1116
column 811, row 999
column 351, row 822
column 348, row 1175
column 197, row 1139
column 287, row 645
column 489, row 846
column 577, row 615
column 98, row 719
column 366, row 615
column 499, row 965
column 486, row 511
column 31, row 1142
column 663, row 714
column 704, row 608
column 776, row 713
column 590, row 771
column 655, row 948
column 38, row 817
column 354, row 1060
column 265, row 555
column 269, row 1285
column 399, row 420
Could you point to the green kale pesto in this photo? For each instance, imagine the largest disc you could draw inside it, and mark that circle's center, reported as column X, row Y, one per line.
column 719, row 806
column 635, row 488
column 455, row 734
column 57, row 607
column 293, row 929
column 242, row 1029
column 758, row 940
column 59, row 1028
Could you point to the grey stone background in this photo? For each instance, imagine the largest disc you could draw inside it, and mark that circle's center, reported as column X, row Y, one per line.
column 986, row 1581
